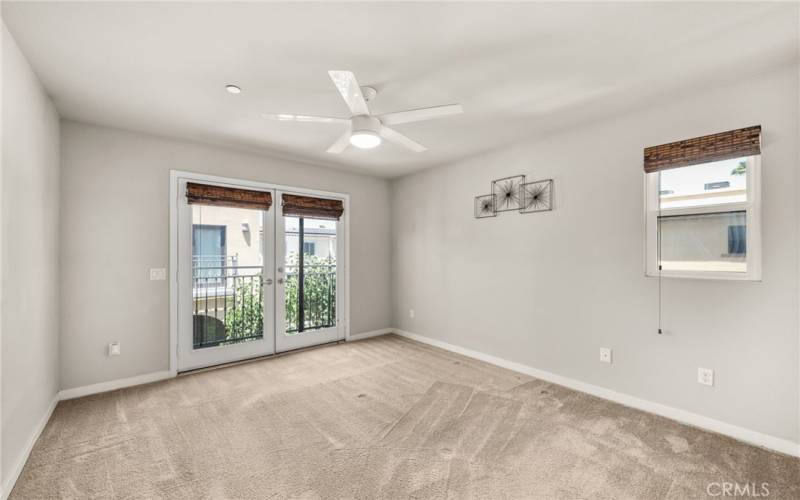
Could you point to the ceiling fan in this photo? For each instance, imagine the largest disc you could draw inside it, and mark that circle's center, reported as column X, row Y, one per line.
column 366, row 130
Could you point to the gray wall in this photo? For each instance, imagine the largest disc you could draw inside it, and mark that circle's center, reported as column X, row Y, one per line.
column 548, row 290
column 30, row 272
column 115, row 225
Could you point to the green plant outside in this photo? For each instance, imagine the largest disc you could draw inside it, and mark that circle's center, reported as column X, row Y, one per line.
column 245, row 319
column 319, row 289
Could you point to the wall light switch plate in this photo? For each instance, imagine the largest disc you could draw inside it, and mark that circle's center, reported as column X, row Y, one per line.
column 605, row 355
column 114, row 349
column 411, row 313
column 158, row 274
column 705, row 376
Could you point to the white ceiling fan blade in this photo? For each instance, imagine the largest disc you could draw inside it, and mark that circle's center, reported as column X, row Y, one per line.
column 341, row 143
column 286, row 117
column 418, row 115
column 346, row 82
column 396, row 137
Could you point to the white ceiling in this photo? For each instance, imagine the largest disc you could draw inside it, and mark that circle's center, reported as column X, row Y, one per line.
column 519, row 69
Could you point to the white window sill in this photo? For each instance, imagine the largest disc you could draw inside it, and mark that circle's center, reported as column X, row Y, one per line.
column 709, row 275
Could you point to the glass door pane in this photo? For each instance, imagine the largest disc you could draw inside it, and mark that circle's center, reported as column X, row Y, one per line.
column 319, row 273
column 311, row 255
column 227, row 275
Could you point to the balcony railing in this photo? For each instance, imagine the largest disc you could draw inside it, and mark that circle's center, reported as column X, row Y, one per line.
column 228, row 304
column 228, row 301
column 319, row 291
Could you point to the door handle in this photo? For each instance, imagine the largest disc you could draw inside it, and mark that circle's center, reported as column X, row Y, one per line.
column 268, row 281
column 280, row 281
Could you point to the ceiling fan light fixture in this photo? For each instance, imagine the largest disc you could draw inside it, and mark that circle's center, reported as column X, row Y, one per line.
column 365, row 132
column 365, row 139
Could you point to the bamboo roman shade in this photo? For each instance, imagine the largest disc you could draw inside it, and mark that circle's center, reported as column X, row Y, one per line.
column 308, row 206
column 714, row 147
column 223, row 196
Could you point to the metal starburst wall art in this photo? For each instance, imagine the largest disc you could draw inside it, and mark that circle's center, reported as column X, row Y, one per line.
column 537, row 196
column 514, row 194
column 484, row 206
column 507, row 193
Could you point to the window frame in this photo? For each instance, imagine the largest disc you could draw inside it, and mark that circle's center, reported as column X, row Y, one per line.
column 751, row 207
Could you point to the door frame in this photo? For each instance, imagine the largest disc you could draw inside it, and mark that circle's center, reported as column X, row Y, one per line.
column 174, row 196
column 190, row 358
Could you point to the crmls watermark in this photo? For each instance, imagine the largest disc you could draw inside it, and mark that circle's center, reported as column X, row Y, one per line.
column 728, row 489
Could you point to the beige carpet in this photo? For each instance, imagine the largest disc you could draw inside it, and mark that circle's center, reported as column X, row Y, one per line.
column 379, row 418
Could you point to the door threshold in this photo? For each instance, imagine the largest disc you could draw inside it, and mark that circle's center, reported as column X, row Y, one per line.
column 257, row 358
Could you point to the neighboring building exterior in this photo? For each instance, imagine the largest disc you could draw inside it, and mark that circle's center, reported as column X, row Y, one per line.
column 319, row 237
column 709, row 241
column 233, row 237
column 223, row 236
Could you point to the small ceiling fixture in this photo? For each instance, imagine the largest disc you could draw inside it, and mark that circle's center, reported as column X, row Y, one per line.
column 233, row 89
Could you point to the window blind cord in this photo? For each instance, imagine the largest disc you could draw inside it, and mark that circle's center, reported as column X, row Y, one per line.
column 658, row 250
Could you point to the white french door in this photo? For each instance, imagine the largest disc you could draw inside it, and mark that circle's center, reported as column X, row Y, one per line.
column 308, row 255
column 253, row 282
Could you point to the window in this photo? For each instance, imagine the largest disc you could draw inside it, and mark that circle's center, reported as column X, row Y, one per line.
column 208, row 250
column 703, row 220
column 309, row 248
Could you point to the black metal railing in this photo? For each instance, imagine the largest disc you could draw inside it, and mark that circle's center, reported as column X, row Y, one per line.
column 319, row 297
column 228, row 304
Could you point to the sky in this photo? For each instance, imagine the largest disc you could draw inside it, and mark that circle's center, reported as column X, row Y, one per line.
column 692, row 180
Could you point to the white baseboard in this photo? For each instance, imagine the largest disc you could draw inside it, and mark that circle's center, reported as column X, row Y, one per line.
column 77, row 392
column 373, row 333
column 740, row 433
column 9, row 483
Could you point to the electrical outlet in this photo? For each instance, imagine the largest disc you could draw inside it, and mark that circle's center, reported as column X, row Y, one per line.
column 605, row 355
column 705, row 376
column 158, row 274
column 411, row 313
column 114, row 349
